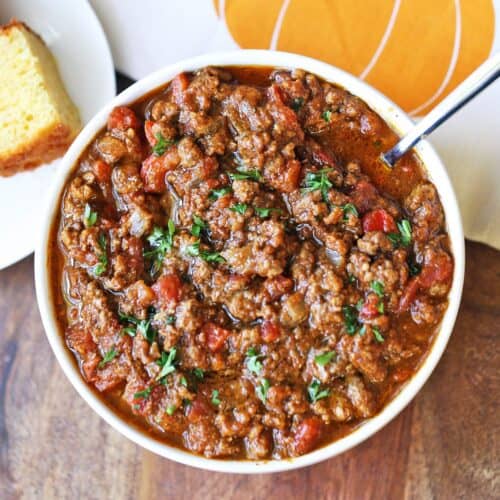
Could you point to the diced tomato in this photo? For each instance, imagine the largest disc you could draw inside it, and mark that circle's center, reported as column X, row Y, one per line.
column 307, row 435
column 379, row 220
column 409, row 294
column 270, row 331
column 291, row 176
column 179, row 85
column 215, row 336
column 148, row 131
column 369, row 310
column 198, row 409
column 153, row 171
column 123, row 118
column 168, row 288
column 102, row 171
column 364, row 196
column 439, row 269
column 278, row 286
column 283, row 113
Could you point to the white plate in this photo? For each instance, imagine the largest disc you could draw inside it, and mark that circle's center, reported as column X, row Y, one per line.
column 75, row 37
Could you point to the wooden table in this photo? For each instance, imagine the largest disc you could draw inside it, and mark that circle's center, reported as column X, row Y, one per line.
column 444, row 445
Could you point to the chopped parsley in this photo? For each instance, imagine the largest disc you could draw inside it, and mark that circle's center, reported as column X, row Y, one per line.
column 362, row 330
column 253, row 362
column 297, row 103
column 215, row 194
column 166, row 363
column 89, row 216
column 143, row 394
column 377, row 287
column 109, row 356
column 414, row 268
column 198, row 373
column 170, row 410
column 315, row 393
column 170, row 320
column 318, row 181
column 146, row 330
column 198, row 225
column 351, row 278
column 102, row 265
column 404, row 236
column 377, row 334
column 239, row 208
column 326, row 115
column 184, row 381
column 161, row 145
column 195, row 251
column 215, row 397
column 161, row 242
column 243, row 174
column 349, row 208
column 381, row 307
column 325, row 358
column 264, row 212
column 262, row 389
column 350, row 319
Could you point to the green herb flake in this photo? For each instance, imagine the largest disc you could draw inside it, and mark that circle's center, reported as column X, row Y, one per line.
column 166, row 363
column 143, row 394
column 351, row 278
column 381, row 307
column 161, row 145
column 195, row 251
column 131, row 331
column 89, row 216
column 109, row 356
column 414, row 268
column 170, row 410
column 348, row 209
column 377, row 334
column 318, row 181
column 170, row 320
column 184, row 381
column 244, row 174
column 253, row 361
column 215, row 194
column 325, row 358
column 326, row 115
column 199, row 373
column 362, row 330
column 198, row 225
column 146, row 330
column 264, row 212
column 239, row 208
column 215, row 397
column 262, row 389
column 161, row 242
column 102, row 265
column 297, row 103
column 315, row 393
column 377, row 287
column 404, row 227
column 350, row 319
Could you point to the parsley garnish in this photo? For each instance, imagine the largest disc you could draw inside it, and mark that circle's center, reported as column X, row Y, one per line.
column 215, row 397
column 166, row 363
column 362, row 330
column 404, row 235
column 195, row 251
column 161, row 145
column 350, row 319
column 215, row 194
column 325, row 358
column 297, row 103
column 146, row 330
column 109, row 356
column 326, row 115
column 318, row 181
column 143, row 394
column 314, row 392
column 101, row 266
column 184, row 381
column 161, row 242
column 198, row 373
column 351, row 278
column 262, row 389
column 89, row 216
column 380, row 307
column 349, row 208
column 377, row 287
column 239, row 208
column 264, row 212
column 414, row 268
column 171, row 410
column 243, row 174
column 198, row 225
column 377, row 334
column 170, row 320
column 253, row 362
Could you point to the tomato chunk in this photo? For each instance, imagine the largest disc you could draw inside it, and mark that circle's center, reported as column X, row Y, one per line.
column 179, row 85
column 307, row 435
column 148, row 131
column 291, row 176
column 153, row 171
column 379, row 220
column 439, row 269
column 102, row 171
column 270, row 331
column 198, row 409
column 123, row 118
column 215, row 336
column 282, row 113
column 369, row 310
column 168, row 288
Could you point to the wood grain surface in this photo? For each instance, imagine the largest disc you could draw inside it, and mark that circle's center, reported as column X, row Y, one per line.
column 445, row 445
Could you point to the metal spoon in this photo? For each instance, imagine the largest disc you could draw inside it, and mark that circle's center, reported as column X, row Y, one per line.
column 483, row 76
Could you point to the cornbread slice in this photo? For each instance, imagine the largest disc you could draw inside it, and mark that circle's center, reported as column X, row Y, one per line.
column 38, row 121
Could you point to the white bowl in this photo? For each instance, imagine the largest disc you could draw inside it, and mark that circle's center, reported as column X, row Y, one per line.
column 394, row 116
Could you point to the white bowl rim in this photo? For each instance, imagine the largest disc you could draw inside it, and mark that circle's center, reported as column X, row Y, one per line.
column 394, row 116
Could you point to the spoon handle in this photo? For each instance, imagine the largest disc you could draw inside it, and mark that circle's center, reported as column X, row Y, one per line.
column 483, row 76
